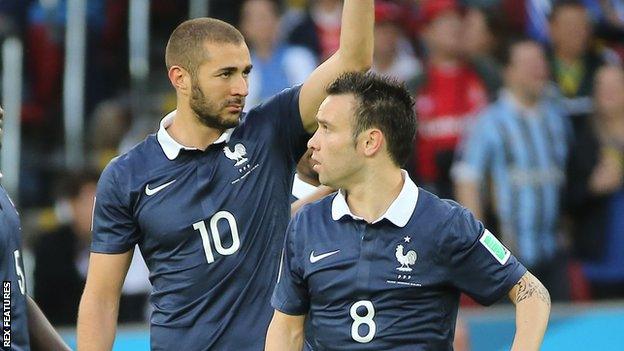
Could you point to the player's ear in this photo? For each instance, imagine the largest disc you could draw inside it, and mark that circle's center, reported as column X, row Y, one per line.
column 372, row 142
column 180, row 79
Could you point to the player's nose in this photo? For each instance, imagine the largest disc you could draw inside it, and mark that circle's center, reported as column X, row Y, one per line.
column 313, row 142
column 240, row 87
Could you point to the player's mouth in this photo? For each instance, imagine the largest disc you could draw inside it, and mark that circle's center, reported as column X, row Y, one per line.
column 315, row 163
column 234, row 109
column 234, row 105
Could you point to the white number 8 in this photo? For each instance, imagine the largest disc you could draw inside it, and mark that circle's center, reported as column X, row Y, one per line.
column 366, row 319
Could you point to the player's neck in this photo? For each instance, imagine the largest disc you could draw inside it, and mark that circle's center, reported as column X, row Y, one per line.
column 188, row 131
column 371, row 197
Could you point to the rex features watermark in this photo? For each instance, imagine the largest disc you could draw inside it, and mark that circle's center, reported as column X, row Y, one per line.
column 6, row 314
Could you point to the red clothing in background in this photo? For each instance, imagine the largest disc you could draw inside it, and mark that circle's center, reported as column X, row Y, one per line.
column 329, row 40
column 444, row 106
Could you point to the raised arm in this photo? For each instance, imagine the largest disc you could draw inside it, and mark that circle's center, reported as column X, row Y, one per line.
column 355, row 54
column 99, row 306
column 532, row 302
column 285, row 333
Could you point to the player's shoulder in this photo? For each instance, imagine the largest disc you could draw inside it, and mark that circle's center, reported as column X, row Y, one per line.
column 141, row 157
column 448, row 225
column 436, row 214
column 276, row 102
column 311, row 215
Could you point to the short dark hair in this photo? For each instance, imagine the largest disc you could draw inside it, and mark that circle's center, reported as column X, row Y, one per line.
column 383, row 103
column 557, row 5
column 185, row 47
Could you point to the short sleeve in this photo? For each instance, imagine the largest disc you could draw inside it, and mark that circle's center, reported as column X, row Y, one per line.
column 283, row 112
column 291, row 294
column 474, row 153
column 114, row 229
column 479, row 265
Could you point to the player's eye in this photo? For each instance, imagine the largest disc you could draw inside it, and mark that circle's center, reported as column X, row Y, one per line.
column 226, row 74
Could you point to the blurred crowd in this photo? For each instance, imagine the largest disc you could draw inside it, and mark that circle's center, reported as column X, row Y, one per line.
column 520, row 107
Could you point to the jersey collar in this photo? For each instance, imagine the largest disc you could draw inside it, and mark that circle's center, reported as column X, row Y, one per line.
column 172, row 148
column 399, row 212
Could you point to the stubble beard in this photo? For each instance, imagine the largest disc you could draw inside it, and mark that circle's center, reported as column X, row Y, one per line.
column 206, row 113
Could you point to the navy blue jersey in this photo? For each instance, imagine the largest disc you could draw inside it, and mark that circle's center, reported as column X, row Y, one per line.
column 210, row 225
column 14, row 322
column 393, row 284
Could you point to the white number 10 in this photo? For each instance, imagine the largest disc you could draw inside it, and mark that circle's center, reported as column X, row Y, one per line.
column 214, row 230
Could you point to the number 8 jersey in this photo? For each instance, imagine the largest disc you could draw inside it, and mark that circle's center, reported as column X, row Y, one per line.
column 209, row 223
column 393, row 284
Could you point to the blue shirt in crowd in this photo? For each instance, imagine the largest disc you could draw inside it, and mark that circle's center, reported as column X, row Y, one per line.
column 522, row 154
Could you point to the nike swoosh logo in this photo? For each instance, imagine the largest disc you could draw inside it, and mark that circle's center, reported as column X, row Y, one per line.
column 314, row 259
column 150, row 192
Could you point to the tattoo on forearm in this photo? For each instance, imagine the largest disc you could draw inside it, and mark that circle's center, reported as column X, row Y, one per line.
column 528, row 288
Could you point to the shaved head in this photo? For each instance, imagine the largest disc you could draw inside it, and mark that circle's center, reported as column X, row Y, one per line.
column 185, row 47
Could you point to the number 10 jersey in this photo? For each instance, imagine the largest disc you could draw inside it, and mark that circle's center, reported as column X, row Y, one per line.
column 209, row 223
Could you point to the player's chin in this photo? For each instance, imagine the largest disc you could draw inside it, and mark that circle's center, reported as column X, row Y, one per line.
column 324, row 178
column 230, row 120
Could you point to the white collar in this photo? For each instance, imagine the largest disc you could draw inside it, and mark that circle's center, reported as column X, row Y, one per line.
column 399, row 212
column 172, row 148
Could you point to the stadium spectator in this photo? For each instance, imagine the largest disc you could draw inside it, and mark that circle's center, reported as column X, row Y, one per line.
column 573, row 60
column 318, row 28
column 62, row 258
column 595, row 188
column 518, row 149
column 276, row 64
column 393, row 54
column 448, row 95
column 61, row 255
column 109, row 124
column 482, row 32
column 609, row 26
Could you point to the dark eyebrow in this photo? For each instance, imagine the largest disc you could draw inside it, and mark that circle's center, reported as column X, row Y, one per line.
column 232, row 69
column 227, row 69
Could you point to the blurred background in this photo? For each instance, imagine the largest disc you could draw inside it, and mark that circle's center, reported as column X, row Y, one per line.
column 527, row 134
